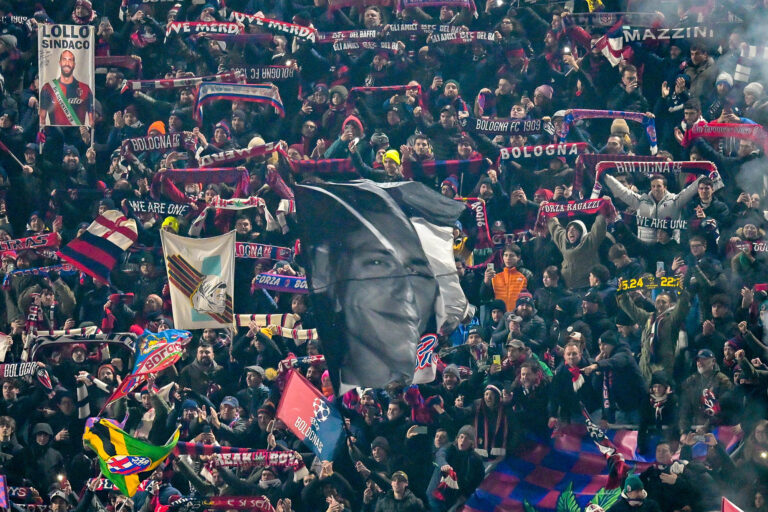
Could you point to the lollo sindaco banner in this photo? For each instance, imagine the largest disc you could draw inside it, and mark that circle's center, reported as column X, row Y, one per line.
column 65, row 61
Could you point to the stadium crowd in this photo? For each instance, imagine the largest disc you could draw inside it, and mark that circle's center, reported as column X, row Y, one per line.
column 553, row 334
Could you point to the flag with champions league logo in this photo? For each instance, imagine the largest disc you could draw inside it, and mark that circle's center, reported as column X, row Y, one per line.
column 381, row 272
column 311, row 417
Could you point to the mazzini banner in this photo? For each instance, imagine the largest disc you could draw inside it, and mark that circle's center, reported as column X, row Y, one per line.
column 65, row 61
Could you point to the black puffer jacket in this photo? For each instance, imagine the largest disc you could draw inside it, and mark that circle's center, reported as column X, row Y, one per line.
column 409, row 503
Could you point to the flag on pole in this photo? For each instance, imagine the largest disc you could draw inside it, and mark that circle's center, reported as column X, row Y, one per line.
column 154, row 353
column 611, row 44
column 201, row 273
column 122, row 458
column 311, row 417
column 98, row 249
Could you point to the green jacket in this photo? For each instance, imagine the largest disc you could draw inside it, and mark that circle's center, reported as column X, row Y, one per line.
column 574, row 269
column 668, row 328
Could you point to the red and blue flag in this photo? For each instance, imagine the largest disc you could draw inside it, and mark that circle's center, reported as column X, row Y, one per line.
column 311, row 417
column 540, row 471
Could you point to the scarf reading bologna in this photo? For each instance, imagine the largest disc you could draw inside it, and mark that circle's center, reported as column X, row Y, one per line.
column 175, row 83
column 700, row 167
column 548, row 209
column 203, row 27
column 589, row 162
column 31, row 242
column 257, row 93
column 258, row 251
column 15, row 370
column 753, row 132
column 268, row 73
column 276, row 26
column 158, row 143
column 566, row 149
column 64, row 268
column 648, row 122
column 506, row 127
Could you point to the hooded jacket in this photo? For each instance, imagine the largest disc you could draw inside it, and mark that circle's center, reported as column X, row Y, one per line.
column 575, row 271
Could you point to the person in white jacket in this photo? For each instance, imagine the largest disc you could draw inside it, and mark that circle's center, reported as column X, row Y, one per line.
column 659, row 203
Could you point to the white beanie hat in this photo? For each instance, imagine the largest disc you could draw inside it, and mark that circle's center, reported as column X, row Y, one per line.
column 725, row 77
column 754, row 88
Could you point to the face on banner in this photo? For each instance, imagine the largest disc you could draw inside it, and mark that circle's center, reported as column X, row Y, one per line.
column 385, row 293
column 369, row 273
column 66, row 62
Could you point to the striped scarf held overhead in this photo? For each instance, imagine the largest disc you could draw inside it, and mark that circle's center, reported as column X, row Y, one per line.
column 647, row 121
column 699, row 167
column 254, row 93
column 228, row 456
column 752, row 132
column 570, row 209
column 419, row 171
column 176, row 83
column 325, row 167
column 588, row 163
column 286, row 320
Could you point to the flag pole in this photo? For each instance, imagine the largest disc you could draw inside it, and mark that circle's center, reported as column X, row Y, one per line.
column 15, row 159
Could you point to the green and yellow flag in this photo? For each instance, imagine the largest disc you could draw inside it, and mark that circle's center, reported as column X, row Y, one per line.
column 123, row 458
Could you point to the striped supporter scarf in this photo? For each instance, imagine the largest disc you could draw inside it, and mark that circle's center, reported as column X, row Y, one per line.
column 648, row 122
column 588, row 163
column 254, row 93
column 569, row 209
column 175, row 83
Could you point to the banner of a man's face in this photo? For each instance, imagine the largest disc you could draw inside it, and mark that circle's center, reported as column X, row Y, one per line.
column 374, row 289
column 65, row 61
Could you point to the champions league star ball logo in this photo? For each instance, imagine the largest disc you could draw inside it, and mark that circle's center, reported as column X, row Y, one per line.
column 321, row 410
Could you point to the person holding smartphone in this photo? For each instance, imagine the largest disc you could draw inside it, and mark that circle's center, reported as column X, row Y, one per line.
column 627, row 95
